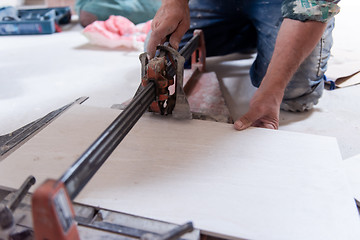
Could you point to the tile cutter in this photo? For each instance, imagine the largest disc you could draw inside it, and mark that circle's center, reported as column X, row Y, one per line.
column 52, row 209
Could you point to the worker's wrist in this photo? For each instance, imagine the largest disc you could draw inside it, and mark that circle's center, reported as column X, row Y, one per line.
column 273, row 88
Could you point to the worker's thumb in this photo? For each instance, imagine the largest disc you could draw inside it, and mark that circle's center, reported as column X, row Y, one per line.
column 243, row 123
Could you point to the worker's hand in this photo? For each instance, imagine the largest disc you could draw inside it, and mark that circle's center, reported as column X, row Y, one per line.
column 172, row 18
column 263, row 112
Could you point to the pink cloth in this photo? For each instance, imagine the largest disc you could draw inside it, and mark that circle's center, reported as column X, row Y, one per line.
column 116, row 32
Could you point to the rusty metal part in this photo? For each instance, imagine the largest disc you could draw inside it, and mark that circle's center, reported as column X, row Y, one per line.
column 155, row 72
column 199, row 54
column 166, row 66
column 198, row 65
column 202, row 89
column 181, row 110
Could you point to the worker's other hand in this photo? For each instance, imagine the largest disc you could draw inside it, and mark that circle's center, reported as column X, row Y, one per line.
column 263, row 112
column 172, row 18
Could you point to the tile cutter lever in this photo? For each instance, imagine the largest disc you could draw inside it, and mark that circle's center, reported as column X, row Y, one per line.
column 161, row 70
column 52, row 210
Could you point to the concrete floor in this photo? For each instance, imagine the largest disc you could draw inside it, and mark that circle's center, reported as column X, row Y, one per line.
column 39, row 74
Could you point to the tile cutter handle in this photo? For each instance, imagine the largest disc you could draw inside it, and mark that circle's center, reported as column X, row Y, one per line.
column 52, row 210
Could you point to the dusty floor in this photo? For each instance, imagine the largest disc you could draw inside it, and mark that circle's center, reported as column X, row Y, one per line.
column 39, row 74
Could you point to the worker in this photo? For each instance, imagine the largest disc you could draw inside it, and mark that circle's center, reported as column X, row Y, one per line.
column 293, row 39
column 137, row 11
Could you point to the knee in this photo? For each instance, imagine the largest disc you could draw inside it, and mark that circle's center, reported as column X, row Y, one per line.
column 296, row 89
column 303, row 102
column 86, row 18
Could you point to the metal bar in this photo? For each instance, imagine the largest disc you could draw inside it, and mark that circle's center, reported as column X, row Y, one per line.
column 178, row 231
column 77, row 176
column 20, row 193
column 190, row 47
column 173, row 234
column 11, row 140
column 115, row 228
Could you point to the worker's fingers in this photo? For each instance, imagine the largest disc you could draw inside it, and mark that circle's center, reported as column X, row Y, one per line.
column 158, row 36
column 256, row 120
column 176, row 36
column 243, row 123
column 172, row 19
column 270, row 126
column 266, row 123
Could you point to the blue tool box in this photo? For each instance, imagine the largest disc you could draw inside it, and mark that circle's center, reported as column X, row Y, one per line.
column 32, row 21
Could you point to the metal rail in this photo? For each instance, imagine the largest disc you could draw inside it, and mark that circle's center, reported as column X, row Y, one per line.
column 186, row 52
column 78, row 175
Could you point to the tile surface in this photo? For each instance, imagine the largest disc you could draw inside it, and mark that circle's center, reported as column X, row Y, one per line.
column 255, row 184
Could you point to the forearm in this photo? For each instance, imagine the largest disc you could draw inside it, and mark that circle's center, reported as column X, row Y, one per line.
column 294, row 43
